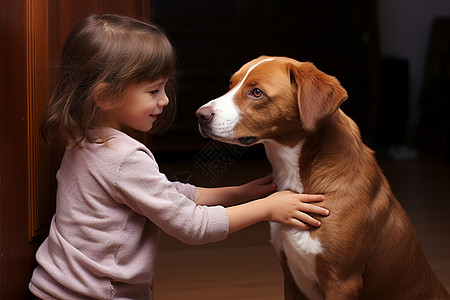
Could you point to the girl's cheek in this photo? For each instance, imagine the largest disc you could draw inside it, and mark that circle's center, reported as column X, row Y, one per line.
column 150, row 108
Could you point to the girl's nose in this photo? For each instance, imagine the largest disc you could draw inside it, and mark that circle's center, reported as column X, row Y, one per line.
column 164, row 100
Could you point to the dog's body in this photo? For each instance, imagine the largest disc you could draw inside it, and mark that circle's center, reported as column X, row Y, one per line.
column 367, row 248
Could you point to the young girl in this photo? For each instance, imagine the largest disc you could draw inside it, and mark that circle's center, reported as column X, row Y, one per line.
column 114, row 75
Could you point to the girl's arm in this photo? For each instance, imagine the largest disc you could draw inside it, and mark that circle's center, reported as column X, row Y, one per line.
column 233, row 195
column 282, row 207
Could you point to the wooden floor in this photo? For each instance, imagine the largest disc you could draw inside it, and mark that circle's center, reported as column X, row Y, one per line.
column 245, row 266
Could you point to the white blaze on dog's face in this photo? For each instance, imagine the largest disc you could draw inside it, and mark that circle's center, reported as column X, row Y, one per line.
column 246, row 113
column 269, row 99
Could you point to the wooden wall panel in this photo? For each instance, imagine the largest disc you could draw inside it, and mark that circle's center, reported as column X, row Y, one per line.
column 39, row 200
column 31, row 34
column 13, row 159
column 15, row 261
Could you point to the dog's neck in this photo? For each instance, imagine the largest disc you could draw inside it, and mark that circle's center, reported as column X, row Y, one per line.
column 285, row 165
column 292, row 172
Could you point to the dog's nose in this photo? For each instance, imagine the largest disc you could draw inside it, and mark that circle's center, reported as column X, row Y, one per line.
column 204, row 114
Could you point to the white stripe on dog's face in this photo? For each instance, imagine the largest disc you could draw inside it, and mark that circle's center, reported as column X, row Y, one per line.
column 226, row 113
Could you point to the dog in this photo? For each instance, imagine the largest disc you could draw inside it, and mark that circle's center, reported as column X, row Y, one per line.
column 367, row 247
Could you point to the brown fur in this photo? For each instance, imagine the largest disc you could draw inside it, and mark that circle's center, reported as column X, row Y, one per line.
column 371, row 250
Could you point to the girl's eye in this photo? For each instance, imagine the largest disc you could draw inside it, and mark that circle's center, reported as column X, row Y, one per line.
column 154, row 92
column 256, row 93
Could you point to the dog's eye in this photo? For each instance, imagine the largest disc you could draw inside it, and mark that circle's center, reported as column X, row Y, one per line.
column 256, row 93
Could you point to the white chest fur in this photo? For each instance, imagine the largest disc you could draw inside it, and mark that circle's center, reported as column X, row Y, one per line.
column 300, row 249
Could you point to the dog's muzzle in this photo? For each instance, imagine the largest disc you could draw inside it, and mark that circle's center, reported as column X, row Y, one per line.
column 204, row 114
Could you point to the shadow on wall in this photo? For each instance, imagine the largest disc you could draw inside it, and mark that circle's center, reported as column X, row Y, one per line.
column 434, row 124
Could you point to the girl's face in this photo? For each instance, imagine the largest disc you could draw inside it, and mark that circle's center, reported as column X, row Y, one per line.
column 142, row 105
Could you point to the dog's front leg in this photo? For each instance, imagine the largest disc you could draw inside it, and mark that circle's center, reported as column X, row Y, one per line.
column 291, row 290
column 349, row 288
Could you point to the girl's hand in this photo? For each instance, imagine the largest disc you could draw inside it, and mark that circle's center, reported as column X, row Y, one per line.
column 283, row 207
column 257, row 188
column 291, row 208
column 232, row 195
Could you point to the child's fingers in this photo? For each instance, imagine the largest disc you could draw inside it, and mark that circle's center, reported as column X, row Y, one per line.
column 310, row 208
column 299, row 224
column 305, row 218
column 264, row 185
column 311, row 198
column 264, row 180
column 267, row 189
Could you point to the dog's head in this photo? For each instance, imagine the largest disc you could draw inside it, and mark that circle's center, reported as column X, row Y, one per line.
column 271, row 98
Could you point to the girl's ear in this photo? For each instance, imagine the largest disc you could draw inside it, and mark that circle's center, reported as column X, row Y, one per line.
column 319, row 95
column 103, row 96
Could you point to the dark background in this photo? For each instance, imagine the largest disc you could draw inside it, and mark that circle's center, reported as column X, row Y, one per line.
column 342, row 38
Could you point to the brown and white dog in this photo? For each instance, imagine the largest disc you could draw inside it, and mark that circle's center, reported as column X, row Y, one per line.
column 367, row 247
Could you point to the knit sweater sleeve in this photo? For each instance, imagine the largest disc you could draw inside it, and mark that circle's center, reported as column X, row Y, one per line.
column 139, row 185
column 186, row 189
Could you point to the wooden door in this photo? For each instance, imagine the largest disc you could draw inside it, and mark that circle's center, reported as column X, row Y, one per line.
column 32, row 34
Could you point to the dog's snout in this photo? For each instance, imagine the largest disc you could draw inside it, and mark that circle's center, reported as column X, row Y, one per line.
column 204, row 114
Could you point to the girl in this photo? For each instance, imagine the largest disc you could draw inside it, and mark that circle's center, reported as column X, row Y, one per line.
column 111, row 199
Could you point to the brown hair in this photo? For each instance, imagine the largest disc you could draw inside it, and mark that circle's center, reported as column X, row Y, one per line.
column 102, row 56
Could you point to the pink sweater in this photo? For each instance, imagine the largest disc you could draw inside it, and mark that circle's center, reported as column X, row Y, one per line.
column 110, row 202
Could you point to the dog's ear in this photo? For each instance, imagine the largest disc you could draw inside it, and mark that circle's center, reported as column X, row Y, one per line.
column 319, row 95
